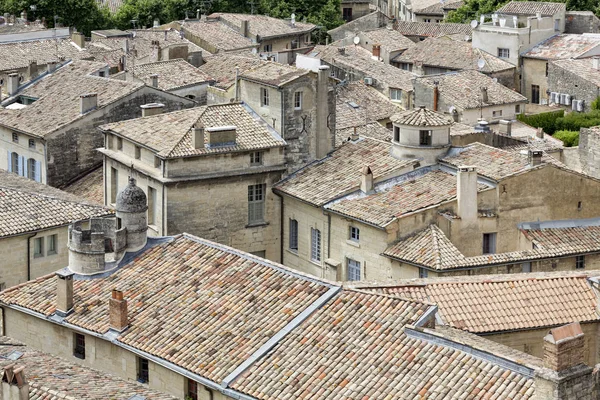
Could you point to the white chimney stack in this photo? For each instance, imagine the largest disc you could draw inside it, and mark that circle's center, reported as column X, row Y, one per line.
column 152, row 109
column 14, row 384
column 466, row 193
column 366, row 179
column 596, row 63
column 13, row 83
column 88, row 102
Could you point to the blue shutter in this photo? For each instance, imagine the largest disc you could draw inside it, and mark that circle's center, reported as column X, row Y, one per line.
column 21, row 159
column 25, row 167
column 9, row 168
column 38, row 171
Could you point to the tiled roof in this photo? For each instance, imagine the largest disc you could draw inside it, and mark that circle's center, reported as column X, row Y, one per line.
column 89, row 187
column 484, row 304
column 563, row 46
column 349, row 351
column 20, row 27
column 408, row 28
column 372, row 130
column 221, row 67
column 169, row 134
column 421, row 117
column 172, row 74
column 491, row 162
column 58, row 101
column 52, row 378
column 395, row 198
column 444, row 52
column 340, row 173
column 357, row 104
column 532, row 8
column 263, row 26
column 218, row 34
column 582, row 68
column 274, row 74
column 18, row 54
column 206, row 307
column 27, row 206
column 463, row 89
column 389, row 39
column 438, row 8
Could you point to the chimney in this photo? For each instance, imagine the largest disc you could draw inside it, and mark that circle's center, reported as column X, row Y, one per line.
column 539, row 133
column 118, row 311
column 152, row 109
column 64, row 292
column 51, row 66
column 564, row 347
column 154, row 79
column 596, row 63
column 166, row 35
column 24, row 15
column 13, row 83
column 377, row 51
column 505, row 127
column 366, row 180
column 14, row 384
column 197, row 137
column 535, row 157
column 156, row 53
column 244, row 28
column 126, row 45
column 325, row 118
column 88, row 102
column 220, row 136
column 342, row 50
column 436, row 95
column 354, row 136
column 32, row 69
column 79, row 39
column 466, row 193
column 484, row 95
column 198, row 14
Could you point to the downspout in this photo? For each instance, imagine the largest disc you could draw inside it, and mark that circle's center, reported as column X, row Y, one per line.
column 328, row 241
column 282, row 113
column 3, row 322
column 29, row 256
column 164, row 206
column 281, row 214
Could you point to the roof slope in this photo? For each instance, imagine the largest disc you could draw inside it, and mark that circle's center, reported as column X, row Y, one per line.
column 358, row 104
column 169, row 134
column 172, row 74
column 340, row 172
column 463, row 89
column 51, row 377
column 532, row 8
column 221, row 67
column 487, row 304
column 421, row 117
column 389, row 39
column 408, row 28
column 564, row 46
column 372, row 131
column 583, row 68
column 218, row 34
column 89, row 187
column 18, row 54
column 274, row 74
column 349, row 351
column 206, row 307
column 27, row 206
column 264, row 26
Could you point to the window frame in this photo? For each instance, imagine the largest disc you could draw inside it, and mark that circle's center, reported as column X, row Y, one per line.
column 38, row 250
column 192, row 389
column 396, row 134
column 395, row 94
column 32, row 143
column 119, row 143
column 15, row 162
column 143, row 370
column 354, row 234
column 256, row 204
column 580, row 262
column 353, row 270
column 489, row 243
column 428, row 135
column 293, row 235
column 52, row 244
column 315, row 245
column 496, row 113
column 264, row 97
column 503, row 52
column 15, row 137
column 256, row 158
column 31, row 169
column 79, row 345
column 423, row 273
column 298, row 100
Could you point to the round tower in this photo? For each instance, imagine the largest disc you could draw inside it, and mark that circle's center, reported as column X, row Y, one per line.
column 420, row 133
column 131, row 212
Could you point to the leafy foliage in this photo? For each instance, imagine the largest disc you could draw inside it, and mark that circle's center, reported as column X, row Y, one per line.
column 574, row 121
column 546, row 121
column 596, row 104
column 569, row 138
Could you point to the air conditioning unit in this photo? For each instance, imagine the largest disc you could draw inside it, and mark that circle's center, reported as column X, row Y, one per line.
column 368, row 81
column 567, row 99
column 580, row 106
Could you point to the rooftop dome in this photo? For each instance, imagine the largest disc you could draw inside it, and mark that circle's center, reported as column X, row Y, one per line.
column 132, row 199
column 421, row 117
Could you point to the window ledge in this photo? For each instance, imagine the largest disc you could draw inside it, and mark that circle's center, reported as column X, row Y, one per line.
column 319, row 263
column 294, row 252
column 257, row 224
column 353, row 243
column 51, row 253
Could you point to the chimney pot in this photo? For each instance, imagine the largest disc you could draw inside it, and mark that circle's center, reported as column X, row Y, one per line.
column 484, row 95
column 118, row 311
column 564, row 347
column 79, row 39
column 354, row 137
column 14, row 383
column 13, row 83
column 198, row 137
column 506, row 127
column 366, row 182
column 539, row 133
column 88, row 102
column 33, row 69
column 64, row 292
column 535, row 157
column 152, row 109
column 466, row 193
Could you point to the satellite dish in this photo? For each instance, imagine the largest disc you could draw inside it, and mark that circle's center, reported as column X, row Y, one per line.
column 480, row 63
column 356, row 40
column 474, row 24
column 495, row 80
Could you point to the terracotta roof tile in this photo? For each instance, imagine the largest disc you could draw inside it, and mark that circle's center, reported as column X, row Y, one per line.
column 264, row 26
column 357, row 104
column 221, row 67
column 564, row 46
column 421, row 117
column 531, row 8
column 389, row 39
column 274, row 74
column 583, row 68
column 372, row 130
column 218, row 34
column 89, row 187
column 408, row 28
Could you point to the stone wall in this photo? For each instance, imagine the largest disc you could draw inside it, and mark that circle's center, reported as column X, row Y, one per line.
column 368, row 22
column 579, row 22
column 589, row 151
column 561, row 80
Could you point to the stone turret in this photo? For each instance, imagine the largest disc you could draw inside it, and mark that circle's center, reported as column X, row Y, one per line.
column 132, row 207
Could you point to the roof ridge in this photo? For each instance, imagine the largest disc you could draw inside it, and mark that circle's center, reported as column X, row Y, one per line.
column 390, row 296
column 44, row 196
column 172, row 150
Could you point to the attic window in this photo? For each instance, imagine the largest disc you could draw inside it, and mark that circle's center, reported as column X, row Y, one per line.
column 353, row 105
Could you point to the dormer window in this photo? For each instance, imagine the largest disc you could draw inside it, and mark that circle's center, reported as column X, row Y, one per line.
column 425, row 138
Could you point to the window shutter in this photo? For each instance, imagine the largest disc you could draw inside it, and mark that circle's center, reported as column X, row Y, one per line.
column 9, row 162
column 26, row 167
column 21, row 160
column 38, row 171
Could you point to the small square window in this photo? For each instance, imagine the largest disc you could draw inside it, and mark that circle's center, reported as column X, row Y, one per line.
column 79, row 346
column 423, row 273
column 38, row 247
column 425, row 138
column 119, row 143
column 489, row 243
column 497, row 113
column 354, row 233
column 51, row 242
column 298, row 101
column 192, row 390
column 580, row 262
column 396, row 134
column 256, row 158
column 15, row 137
column 268, row 48
column 503, row 53
column 138, row 152
column 353, row 270
column 32, row 143
column 143, row 375
column 518, row 109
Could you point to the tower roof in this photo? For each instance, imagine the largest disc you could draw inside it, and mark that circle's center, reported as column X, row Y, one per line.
column 132, row 199
column 420, row 117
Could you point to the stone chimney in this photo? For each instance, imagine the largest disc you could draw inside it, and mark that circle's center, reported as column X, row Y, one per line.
column 156, row 52
column 505, row 127
column 14, row 384
column 152, row 109
column 535, row 157
column 244, row 28
column 366, row 180
column 596, row 63
column 64, row 292
column 13, row 83
column 154, row 80
column 198, row 137
column 221, row 136
column 436, row 96
column 484, row 95
column 377, row 51
column 564, row 347
column 324, row 140
column 466, row 193
column 126, row 46
column 539, row 133
column 51, row 66
column 79, row 39
column 88, row 102
column 32, row 69
column 118, row 311
column 354, row 136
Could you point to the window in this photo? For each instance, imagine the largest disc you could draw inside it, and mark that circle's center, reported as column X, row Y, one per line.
column 31, row 169
column 156, row 162
column 192, row 390
column 489, row 243
column 497, row 113
column 347, row 14
column 315, row 244
column 119, row 143
column 535, row 94
column 256, row 204
column 423, row 273
column 32, row 143
column 293, row 235
column 114, row 185
column 256, row 158
column 526, row 267
column 15, row 166
column 51, row 244
column 406, row 66
column 518, row 109
column 354, row 233
column 427, row 20
column 15, row 137
column 580, row 262
column 298, row 101
column 138, row 152
column 396, row 94
column 503, row 53
column 396, row 134
column 267, row 48
column 353, row 270
column 38, row 247
column 579, row 206
column 425, row 138
column 546, row 69
column 151, row 206
column 79, row 346
column 142, row 372
column 264, row 97
column 101, row 74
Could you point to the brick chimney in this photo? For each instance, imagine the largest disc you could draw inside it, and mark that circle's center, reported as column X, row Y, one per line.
column 466, row 193
column 535, row 157
column 366, row 179
column 88, row 102
column 14, row 384
column 118, row 311
column 152, row 109
column 564, row 347
column 198, row 137
column 154, row 80
column 64, row 292
column 13, row 83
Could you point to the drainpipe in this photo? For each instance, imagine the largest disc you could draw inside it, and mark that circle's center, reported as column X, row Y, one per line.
column 281, row 214
column 163, row 229
column 328, row 241
column 29, row 255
